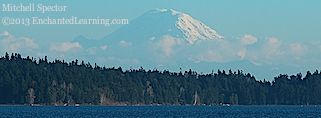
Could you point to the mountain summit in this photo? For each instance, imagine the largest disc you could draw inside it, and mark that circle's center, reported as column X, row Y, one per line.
column 193, row 29
column 159, row 22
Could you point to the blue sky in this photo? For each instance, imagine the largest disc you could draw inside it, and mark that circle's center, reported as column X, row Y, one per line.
column 288, row 27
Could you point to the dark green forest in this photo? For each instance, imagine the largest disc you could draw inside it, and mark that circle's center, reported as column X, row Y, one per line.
column 38, row 81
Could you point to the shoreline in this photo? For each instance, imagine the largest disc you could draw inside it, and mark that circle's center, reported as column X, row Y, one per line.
column 145, row 105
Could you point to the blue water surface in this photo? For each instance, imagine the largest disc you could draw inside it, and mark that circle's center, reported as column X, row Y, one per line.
column 160, row 111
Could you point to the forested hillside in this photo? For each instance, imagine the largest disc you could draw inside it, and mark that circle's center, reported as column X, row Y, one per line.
column 31, row 81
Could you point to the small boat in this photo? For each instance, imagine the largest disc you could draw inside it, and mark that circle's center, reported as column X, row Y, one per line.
column 77, row 105
column 65, row 105
column 226, row 105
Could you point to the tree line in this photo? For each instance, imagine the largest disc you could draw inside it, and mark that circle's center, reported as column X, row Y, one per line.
column 31, row 81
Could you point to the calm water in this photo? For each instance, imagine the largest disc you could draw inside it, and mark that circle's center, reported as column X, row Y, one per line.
column 160, row 111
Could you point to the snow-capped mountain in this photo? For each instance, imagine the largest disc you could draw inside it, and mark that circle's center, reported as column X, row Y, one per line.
column 168, row 39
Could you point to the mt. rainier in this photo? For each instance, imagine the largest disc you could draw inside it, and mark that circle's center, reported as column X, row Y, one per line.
column 168, row 39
